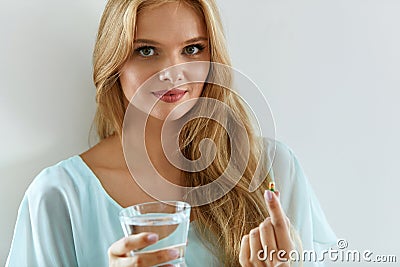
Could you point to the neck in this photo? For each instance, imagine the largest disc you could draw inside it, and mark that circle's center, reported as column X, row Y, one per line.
column 159, row 136
column 153, row 131
column 147, row 136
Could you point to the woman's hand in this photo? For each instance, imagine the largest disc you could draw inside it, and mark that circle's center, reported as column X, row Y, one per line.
column 119, row 252
column 272, row 234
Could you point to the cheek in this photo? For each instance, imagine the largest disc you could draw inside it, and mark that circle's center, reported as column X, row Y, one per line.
column 198, row 72
column 197, row 89
column 128, row 85
column 132, row 78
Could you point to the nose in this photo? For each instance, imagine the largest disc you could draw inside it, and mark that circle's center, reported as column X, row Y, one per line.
column 172, row 74
column 173, row 71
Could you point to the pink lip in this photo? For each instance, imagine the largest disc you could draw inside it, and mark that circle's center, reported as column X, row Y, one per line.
column 170, row 96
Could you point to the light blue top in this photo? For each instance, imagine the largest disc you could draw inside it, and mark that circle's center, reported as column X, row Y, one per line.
column 66, row 218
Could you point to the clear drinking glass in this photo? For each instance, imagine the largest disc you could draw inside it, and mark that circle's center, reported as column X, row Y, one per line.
column 169, row 219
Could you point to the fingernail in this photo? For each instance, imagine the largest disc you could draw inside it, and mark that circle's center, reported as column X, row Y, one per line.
column 152, row 237
column 268, row 195
column 173, row 253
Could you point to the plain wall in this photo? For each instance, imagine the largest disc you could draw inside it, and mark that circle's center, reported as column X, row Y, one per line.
column 329, row 69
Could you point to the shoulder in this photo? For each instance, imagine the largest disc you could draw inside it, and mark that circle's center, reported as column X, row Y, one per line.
column 288, row 175
column 59, row 181
column 107, row 154
column 297, row 197
column 281, row 160
column 48, row 215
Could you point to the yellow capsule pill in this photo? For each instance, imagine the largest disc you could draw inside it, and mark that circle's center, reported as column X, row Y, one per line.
column 271, row 186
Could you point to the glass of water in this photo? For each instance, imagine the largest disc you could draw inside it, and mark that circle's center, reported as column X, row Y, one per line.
column 169, row 219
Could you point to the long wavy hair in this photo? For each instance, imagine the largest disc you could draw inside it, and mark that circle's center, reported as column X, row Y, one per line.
column 222, row 223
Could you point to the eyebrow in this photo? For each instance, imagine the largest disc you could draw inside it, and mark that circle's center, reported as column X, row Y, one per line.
column 151, row 42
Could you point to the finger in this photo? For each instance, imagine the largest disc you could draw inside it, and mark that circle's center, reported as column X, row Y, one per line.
column 122, row 262
column 279, row 221
column 255, row 247
column 149, row 259
column 244, row 254
column 268, row 241
column 267, row 235
column 132, row 242
column 278, row 194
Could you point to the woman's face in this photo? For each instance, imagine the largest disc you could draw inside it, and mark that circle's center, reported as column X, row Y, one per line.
column 165, row 36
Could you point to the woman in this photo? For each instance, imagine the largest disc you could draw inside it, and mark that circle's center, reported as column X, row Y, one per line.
column 69, row 214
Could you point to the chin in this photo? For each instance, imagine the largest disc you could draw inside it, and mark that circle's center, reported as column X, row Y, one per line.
column 173, row 113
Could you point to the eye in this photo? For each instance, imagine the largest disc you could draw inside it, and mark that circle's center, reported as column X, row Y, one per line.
column 193, row 49
column 146, row 51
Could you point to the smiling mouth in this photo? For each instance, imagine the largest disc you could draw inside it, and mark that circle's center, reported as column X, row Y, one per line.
column 170, row 96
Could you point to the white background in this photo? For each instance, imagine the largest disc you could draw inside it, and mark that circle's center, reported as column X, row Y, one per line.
column 329, row 69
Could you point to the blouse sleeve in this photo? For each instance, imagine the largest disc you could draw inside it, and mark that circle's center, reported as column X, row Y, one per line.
column 43, row 234
column 300, row 203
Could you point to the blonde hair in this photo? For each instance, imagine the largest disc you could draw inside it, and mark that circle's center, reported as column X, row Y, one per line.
column 238, row 211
